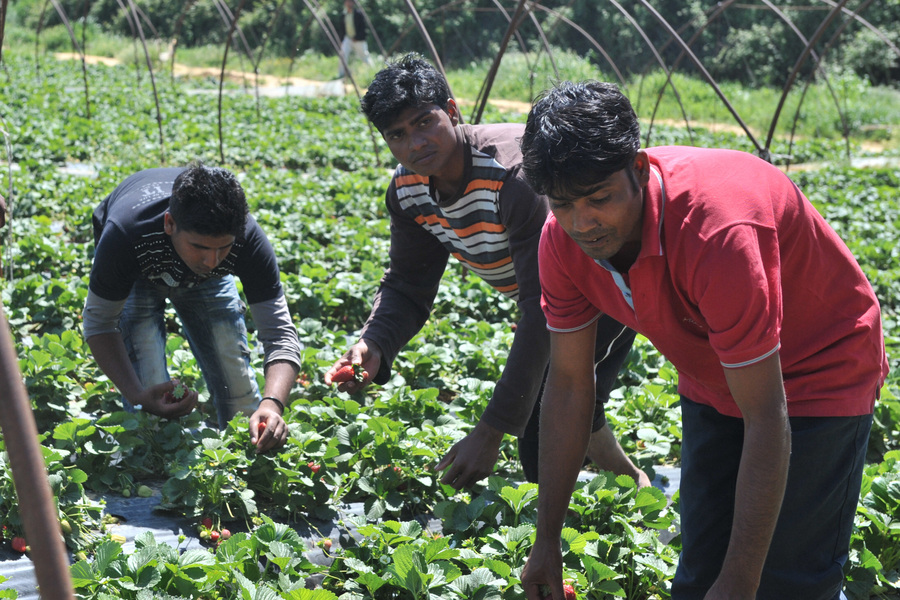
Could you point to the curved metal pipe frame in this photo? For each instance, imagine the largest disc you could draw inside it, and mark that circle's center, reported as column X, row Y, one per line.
column 137, row 22
column 517, row 18
column 39, row 513
column 801, row 60
column 65, row 19
column 222, row 74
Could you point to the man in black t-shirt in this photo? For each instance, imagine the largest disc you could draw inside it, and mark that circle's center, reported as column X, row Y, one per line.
column 182, row 235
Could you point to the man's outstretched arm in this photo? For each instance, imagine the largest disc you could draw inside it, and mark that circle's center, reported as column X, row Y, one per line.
column 567, row 412
column 758, row 390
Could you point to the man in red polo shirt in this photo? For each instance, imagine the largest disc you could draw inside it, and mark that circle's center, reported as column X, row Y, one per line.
column 722, row 263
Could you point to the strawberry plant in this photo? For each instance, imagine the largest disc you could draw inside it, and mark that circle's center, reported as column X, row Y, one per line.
column 316, row 187
column 55, row 379
column 80, row 517
column 875, row 564
column 210, row 482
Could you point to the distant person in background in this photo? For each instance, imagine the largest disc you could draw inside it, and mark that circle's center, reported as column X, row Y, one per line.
column 181, row 235
column 459, row 190
column 354, row 36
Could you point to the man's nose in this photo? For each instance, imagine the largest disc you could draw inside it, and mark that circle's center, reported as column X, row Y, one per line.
column 212, row 258
column 416, row 141
column 583, row 218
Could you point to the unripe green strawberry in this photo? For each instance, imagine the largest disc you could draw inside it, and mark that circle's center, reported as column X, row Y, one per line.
column 65, row 526
column 144, row 491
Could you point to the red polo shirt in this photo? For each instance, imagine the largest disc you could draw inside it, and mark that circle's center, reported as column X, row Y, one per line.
column 735, row 264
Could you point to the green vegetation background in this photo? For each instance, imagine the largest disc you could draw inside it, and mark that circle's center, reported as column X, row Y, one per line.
column 315, row 175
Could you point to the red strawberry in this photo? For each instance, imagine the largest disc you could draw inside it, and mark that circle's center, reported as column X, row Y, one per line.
column 313, row 467
column 348, row 372
column 569, row 591
column 260, row 428
column 19, row 544
column 207, row 522
column 214, row 536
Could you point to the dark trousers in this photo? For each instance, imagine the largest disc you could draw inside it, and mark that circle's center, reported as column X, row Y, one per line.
column 812, row 536
column 613, row 343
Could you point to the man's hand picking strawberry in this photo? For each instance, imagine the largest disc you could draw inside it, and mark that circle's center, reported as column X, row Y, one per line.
column 352, row 371
column 160, row 400
column 268, row 429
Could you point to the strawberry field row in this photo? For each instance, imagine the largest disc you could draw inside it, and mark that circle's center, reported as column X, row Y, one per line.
column 315, row 184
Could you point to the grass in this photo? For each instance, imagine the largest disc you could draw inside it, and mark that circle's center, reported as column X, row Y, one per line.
column 827, row 110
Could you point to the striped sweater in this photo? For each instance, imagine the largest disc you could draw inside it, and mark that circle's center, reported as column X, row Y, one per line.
column 470, row 228
column 492, row 224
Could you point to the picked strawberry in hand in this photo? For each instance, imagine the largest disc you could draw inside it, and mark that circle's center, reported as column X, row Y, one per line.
column 353, row 372
column 178, row 392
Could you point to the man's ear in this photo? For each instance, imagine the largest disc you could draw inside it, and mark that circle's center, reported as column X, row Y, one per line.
column 168, row 223
column 452, row 111
column 641, row 167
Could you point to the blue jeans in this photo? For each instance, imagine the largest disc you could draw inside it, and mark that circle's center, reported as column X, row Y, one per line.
column 812, row 536
column 212, row 315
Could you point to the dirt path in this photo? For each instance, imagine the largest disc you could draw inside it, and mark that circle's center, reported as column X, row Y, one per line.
column 265, row 81
column 272, row 82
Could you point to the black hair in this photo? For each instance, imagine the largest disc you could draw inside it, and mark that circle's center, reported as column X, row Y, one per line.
column 408, row 82
column 208, row 201
column 577, row 135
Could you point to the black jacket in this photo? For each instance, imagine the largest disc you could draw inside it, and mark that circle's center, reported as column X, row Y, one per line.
column 359, row 22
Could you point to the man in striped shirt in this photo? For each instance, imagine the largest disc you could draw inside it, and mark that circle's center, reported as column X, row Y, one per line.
column 459, row 191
